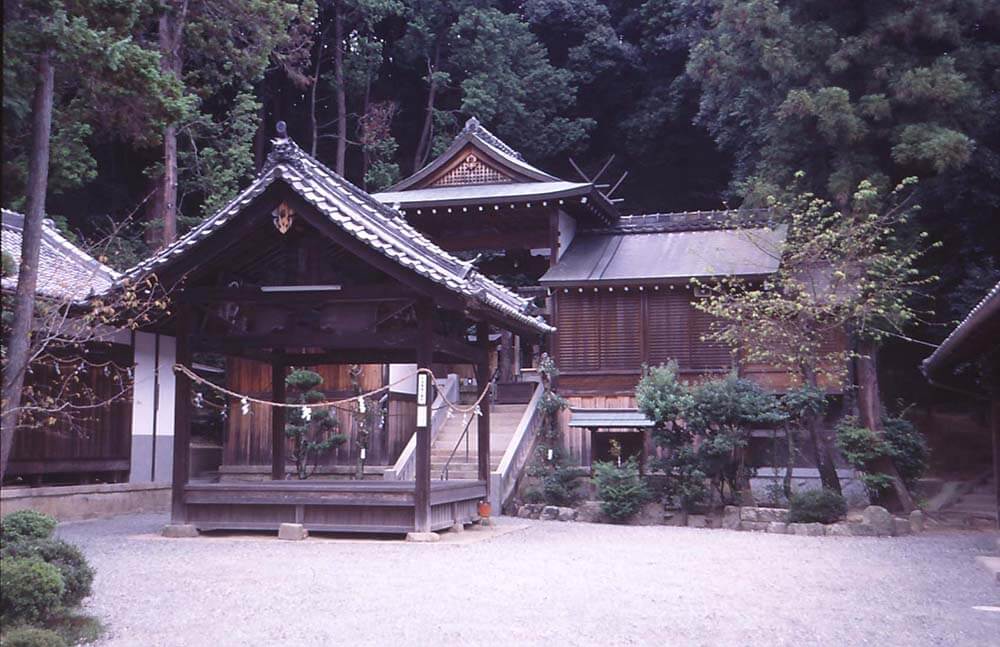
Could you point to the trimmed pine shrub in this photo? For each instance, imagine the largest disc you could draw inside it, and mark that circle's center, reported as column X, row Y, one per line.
column 811, row 506
column 30, row 590
column 621, row 489
column 26, row 525
column 32, row 637
column 76, row 572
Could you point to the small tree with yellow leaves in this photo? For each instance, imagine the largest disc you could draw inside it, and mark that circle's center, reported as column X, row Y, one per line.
column 843, row 274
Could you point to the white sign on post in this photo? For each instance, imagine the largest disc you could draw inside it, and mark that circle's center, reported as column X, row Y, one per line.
column 422, row 408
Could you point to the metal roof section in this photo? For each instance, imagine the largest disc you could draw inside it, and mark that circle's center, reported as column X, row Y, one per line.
column 475, row 193
column 476, row 135
column 970, row 338
column 609, row 419
column 364, row 218
column 65, row 271
column 616, row 258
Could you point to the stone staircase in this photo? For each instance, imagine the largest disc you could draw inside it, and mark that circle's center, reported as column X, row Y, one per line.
column 504, row 419
column 975, row 506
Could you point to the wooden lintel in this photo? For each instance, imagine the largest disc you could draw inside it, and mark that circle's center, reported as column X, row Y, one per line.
column 256, row 295
column 372, row 342
column 458, row 349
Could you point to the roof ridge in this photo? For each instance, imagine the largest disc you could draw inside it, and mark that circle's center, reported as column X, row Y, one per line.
column 475, row 128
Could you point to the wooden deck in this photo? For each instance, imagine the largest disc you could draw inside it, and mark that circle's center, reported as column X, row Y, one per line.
column 380, row 507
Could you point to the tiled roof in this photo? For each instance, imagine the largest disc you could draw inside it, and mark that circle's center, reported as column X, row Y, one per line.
column 689, row 221
column 65, row 271
column 622, row 257
column 360, row 215
column 471, row 194
column 971, row 337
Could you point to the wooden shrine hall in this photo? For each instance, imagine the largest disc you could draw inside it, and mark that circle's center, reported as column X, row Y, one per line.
column 304, row 269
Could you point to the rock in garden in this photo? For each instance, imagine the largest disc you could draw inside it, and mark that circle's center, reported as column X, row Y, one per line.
column 879, row 519
column 772, row 514
column 697, row 521
column 777, row 527
column 550, row 513
column 839, row 530
column 807, row 529
column 754, row 526
column 589, row 511
column 567, row 514
column 901, row 526
column 731, row 517
column 917, row 521
column 748, row 514
column 651, row 514
column 524, row 512
column 863, row 530
column 292, row 532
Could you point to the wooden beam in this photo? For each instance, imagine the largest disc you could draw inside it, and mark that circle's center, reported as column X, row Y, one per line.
column 182, row 419
column 458, row 350
column 425, row 356
column 483, row 372
column 355, row 341
column 352, row 293
column 278, row 444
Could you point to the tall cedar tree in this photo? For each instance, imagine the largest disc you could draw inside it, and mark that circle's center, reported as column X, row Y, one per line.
column 63, row 53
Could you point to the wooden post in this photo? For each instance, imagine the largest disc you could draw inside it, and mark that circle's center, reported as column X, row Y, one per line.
column 182, row 419
column 278, row 445
column 995, row 423
column 422, row 471
column 483, row 340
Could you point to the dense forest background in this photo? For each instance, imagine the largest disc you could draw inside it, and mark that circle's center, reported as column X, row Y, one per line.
column 163, row 109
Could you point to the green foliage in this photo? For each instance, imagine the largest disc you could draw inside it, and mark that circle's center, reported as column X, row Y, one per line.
column 720, row 414
column 77, row 575
column 30, row 590
column 313, row 433
column 900, row 442
column 9, row 266
column 26, row 525
column 665, row 401
column 816, row 506
column 32, row 637
column 621, row 490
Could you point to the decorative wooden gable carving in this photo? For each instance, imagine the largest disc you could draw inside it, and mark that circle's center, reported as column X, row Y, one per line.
column 283, row 218
column 471, row 170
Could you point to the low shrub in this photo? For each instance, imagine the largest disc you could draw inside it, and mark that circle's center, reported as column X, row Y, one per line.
column 32, row 637
column 30, row 590
column 76, row 572
column 811, row 506
column 26, row 525
column 533, row 495
column 621, row 489
column 561, row 487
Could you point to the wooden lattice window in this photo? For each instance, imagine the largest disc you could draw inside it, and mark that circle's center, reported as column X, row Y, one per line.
column 471, row 171
column 621, row 335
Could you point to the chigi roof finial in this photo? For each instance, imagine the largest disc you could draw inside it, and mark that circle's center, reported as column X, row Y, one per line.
column 282, row 129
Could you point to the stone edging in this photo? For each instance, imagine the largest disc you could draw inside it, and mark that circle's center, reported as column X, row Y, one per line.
column 876, row 522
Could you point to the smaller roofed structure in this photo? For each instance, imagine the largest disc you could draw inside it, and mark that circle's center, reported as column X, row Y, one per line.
column 678, row 246
column 479, row 169
column 65, row 272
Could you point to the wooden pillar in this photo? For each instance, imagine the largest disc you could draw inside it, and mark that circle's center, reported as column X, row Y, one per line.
column 422, row 471
column 995, row 423
column 278, row 444
column 483, row 372
column 182, row 418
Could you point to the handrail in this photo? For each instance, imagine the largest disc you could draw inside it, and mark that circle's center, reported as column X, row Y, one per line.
column 494, row 377
column 504, row 479
column 406, row 465
column 465, row 436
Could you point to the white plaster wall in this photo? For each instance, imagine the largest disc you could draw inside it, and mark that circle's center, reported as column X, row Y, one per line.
column 567, row 232
column 400, row 371
column 144, row 409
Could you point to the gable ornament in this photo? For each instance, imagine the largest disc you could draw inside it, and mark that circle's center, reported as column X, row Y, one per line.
column 283, row 218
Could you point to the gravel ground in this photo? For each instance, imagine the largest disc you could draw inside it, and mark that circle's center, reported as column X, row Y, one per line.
column 549, row 583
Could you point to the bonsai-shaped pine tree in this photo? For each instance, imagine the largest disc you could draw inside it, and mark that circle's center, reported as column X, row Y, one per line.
column 314, row 433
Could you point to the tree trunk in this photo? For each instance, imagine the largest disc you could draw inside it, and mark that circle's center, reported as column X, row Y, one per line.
column 870, row 414
column 338, row 73
column 171, row 28
column 506, row 356
column 313, row 121
column 427, row 132
column 821, row 449
column 786, row 482
column 18, row 344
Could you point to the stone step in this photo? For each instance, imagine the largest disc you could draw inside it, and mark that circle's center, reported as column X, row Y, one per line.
column 976, row 498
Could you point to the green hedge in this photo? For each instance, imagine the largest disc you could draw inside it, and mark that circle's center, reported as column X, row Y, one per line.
column 26, row 525
column 812, row 506
column 30, row 590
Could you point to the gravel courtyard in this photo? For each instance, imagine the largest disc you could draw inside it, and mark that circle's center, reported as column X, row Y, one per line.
column 546, row 583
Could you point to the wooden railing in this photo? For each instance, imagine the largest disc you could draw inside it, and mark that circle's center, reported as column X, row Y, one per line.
column 406, row 465
column 503, row 480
